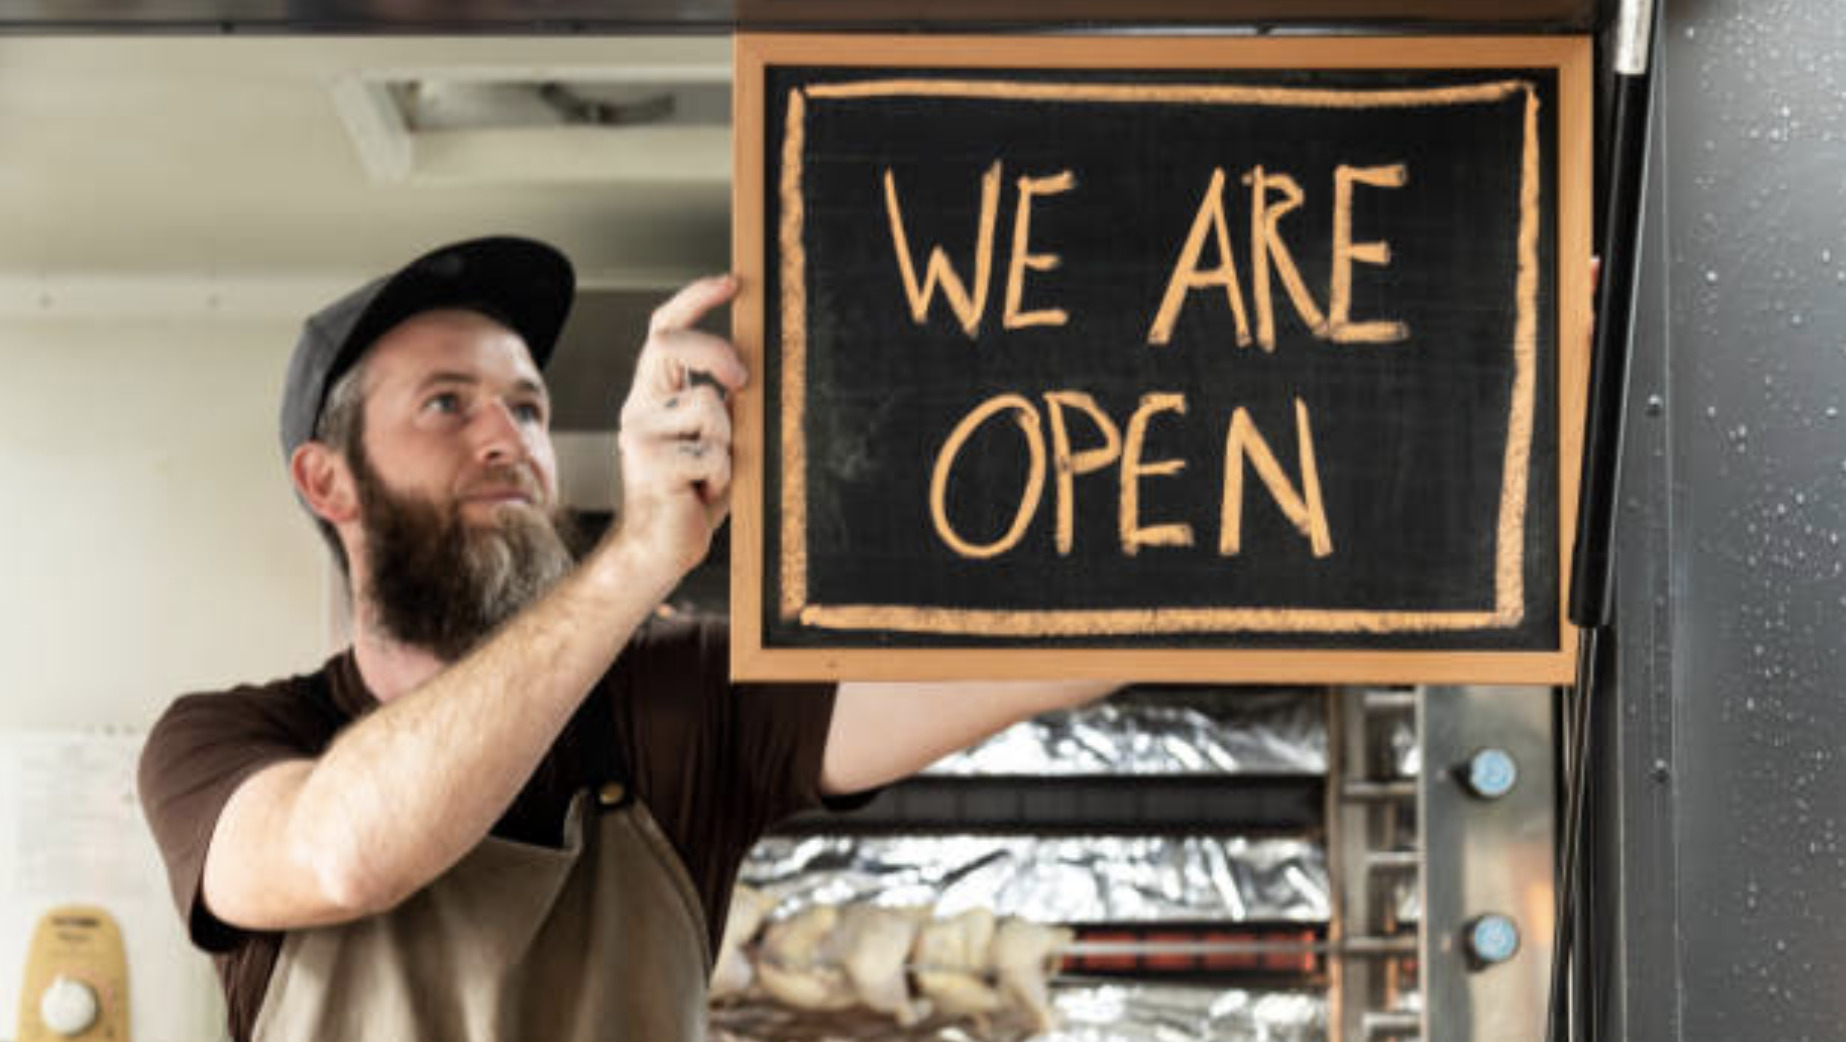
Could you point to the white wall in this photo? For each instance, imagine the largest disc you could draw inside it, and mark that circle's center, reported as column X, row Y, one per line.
column 149, row 544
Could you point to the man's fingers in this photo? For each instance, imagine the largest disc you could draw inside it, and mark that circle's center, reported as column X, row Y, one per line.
column 676, row 431
column 675, row 360
column 705, row 465
column 714, row 486
column 697, row 413
column 684, row 309
column 717, row 503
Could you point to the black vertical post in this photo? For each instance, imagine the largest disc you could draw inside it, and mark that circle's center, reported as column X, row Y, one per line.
column 1592, row 577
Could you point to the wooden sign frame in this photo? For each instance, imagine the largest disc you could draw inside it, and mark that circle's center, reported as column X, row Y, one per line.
column 1571, row 60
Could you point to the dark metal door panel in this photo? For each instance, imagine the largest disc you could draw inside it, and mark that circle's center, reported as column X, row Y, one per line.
column 1732, row 612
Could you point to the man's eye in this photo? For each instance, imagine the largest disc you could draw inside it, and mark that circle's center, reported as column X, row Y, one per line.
column 446, row 403
column 528, row 412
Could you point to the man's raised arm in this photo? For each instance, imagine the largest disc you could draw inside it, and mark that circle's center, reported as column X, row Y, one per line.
column 883, row 732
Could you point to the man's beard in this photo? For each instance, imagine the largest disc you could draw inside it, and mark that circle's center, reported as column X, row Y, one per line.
column 441, row 584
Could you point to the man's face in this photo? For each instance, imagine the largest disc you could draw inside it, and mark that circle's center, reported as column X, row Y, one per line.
column 456, row 413
column 456, row 481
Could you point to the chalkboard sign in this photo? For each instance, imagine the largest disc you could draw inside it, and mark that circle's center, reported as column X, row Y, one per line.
column 1230, row 359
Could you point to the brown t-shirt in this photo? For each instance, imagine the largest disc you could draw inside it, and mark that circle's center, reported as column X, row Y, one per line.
column 715, row 764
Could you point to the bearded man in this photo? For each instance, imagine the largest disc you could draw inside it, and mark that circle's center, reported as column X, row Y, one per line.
column 515, row 806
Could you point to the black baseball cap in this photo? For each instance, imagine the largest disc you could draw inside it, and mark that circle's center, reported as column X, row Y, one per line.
column 522, row 283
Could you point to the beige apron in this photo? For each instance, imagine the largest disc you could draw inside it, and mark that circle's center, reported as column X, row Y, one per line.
column 601, row 940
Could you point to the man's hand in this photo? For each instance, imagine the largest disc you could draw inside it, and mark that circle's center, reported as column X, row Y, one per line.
column 676, row 430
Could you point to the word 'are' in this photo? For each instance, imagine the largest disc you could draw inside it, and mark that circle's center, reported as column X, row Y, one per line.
column 1206, row 260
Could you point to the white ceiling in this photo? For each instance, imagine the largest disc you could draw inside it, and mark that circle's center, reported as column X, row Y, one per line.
column 226, row 158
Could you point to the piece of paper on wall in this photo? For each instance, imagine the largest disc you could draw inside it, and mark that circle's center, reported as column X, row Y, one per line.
column 71, row 831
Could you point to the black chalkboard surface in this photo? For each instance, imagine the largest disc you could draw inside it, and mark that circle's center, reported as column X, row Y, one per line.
column 1228, row 359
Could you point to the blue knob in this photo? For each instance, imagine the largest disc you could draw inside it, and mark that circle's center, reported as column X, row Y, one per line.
column 1492, row 938
column 1491, row 774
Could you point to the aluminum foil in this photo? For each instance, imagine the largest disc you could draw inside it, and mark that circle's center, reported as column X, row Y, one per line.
column 1087, row 1012
column 1165, row 1013
column 1077, row 879
column 1162, row 731
column 1055, row 879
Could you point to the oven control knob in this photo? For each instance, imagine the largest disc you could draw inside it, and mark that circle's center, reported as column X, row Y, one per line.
column 1492, row 939
column 1490, row 773
column 68, row 1007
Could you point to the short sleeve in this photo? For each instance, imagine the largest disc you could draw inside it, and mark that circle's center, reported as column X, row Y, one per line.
column 716, row 763
column 702, row 744
column 777, row 732
column 196, row 756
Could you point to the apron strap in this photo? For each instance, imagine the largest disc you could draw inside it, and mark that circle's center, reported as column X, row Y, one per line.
column 612, row 782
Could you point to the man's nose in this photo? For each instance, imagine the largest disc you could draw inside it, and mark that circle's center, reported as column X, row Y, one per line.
column 499, row 437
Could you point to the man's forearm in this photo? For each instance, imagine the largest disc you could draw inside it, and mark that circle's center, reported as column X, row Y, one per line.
column 885, row 731
column 406, row 791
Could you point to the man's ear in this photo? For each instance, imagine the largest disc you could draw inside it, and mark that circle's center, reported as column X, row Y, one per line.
column 324, row 481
